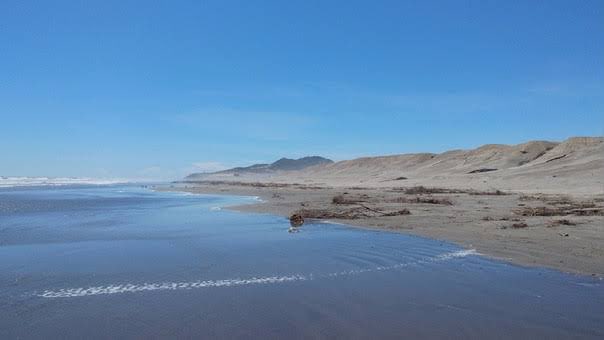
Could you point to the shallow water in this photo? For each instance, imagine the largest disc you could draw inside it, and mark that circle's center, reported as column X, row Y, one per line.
column 122, row 261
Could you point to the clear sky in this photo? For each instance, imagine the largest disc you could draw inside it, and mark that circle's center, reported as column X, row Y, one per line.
column 156, row 89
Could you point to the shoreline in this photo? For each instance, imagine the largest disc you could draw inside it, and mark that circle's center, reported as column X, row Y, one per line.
column 495, row 224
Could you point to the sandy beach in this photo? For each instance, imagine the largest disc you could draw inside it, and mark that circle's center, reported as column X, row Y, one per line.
column 505, row 226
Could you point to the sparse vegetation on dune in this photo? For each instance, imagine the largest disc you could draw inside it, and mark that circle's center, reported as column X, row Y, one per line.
column 353, row 213
column 398, row 213
column 423, row 200
column 341, row 199
column 344, row 200
column 488, row 193
column 556, row 223
column 573, row 209
column 560, row 205
column 422, row 190
column 361, row 211
column 520, row 225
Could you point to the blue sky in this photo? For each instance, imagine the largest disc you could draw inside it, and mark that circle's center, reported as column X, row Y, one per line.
column 142, row 89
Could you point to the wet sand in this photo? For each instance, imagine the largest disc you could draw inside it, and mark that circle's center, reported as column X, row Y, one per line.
column 555, row 231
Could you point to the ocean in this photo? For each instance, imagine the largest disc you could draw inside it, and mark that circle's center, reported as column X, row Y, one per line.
column 123, row 261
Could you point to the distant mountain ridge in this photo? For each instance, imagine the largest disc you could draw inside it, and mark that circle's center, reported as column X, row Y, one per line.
column 287, row 164
column 283, row 164
column 574, row 165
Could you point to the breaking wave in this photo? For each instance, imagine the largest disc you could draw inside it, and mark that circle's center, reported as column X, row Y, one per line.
column 8, row 182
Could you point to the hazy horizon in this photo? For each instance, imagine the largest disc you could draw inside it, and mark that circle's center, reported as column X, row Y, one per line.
column 114, row 90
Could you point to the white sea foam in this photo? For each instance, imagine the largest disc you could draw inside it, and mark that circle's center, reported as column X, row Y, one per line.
column 148, row 287
column 7, row 182
column 455, row 254
column 145, row 287
column 186, row 193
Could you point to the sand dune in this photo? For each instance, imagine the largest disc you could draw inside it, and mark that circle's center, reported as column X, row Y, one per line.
column 575, row 165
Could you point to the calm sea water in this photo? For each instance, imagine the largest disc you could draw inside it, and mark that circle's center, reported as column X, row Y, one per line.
column 125, row 262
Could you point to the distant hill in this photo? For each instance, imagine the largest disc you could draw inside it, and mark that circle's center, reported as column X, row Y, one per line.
column 575, row 165
column 283, row 164
column 287, row 164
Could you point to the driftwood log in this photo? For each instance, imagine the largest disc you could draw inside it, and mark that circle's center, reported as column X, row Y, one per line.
column 296, row 220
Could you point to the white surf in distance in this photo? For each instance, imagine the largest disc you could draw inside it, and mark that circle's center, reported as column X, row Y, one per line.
column 14, row 181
